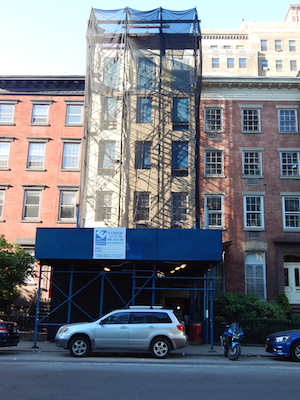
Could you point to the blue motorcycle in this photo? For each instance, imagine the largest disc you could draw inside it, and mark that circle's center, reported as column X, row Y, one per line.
column 230, row 341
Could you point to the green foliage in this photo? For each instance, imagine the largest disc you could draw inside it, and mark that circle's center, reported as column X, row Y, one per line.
column 239, row 306
column 15, row 267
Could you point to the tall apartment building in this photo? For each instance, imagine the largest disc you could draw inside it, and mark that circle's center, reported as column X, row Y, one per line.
column 41, row 126
column 256, row 49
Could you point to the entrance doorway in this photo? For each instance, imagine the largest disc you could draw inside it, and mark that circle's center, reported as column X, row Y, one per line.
column 292, row 281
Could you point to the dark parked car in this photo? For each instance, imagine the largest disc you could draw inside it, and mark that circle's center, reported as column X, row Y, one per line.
column 285, row 343
column 9, row 334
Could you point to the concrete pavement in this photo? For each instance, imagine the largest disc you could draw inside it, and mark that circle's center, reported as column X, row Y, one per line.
column 193, row 349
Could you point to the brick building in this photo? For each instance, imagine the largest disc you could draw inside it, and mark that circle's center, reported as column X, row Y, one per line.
column 41, row 125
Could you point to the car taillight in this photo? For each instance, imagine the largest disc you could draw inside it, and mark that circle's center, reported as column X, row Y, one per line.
column 180, row 328
column 3, row 329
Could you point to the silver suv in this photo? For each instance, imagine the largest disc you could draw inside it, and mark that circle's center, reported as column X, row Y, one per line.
column 144, row 328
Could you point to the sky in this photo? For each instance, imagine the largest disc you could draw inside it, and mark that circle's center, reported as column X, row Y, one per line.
column 39, row 37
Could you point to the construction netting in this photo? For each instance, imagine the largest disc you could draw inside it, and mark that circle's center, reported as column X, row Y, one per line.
column 142, row 117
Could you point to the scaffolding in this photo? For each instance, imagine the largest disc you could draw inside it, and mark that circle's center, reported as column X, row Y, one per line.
column 142, row 119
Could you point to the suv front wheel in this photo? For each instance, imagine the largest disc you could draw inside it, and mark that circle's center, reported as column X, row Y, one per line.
column 80, row 346
column 160, row 347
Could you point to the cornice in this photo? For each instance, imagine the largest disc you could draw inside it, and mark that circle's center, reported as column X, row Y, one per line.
column 235, row 82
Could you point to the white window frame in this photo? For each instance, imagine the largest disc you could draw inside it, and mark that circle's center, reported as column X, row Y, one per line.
column 279, row 65
column 214, row 161
column 253, row 164
column 213, row 118
column 248, row 120
column 263, row 45
column 293, row 65
column 70, row 206
column 32, row 206
column 36, row 155
column 256, row 260
column 213, row 213
column 294, row 214
column 230, row 62
column 292, row 45
column 4, row 154
column 242, row 62
column 278, row 45
column 291, row 122
column 290, row 163
column 2, row 199
column 215, row 63
column 73, row 158
column 7, row 116
column 249, row 209
column 75, row 115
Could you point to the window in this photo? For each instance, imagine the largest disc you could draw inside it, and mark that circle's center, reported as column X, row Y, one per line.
column 179, row 212
column 264, row 65
column 289, row 163
column 215, row 63
column 141, row 206
column 180, row 151
column 293, row 65
column 251, row 120
column 4, row 154
column 71, row 156
column 213, row 46
column 287, row 120
column 230, row 62
column 144, row 109
column 31, row 209
column 40, row 113
column 109, row 114
column 6, row 113
column 226, row 47
column 181, row 75
column 111, row 72
column 143, row 154
column 145, row 73
column 214, row 211
column 242, row 63
column 213, row 119
column 2, row 193
column 117, row 318
column 252, row 163
column 74, row 114
column 36, row 155
column 214, row 162
column 255, row 274
column 107, row 157
column 278, row 45
column 180, row 113
column 278, row 65
column 263, row 45
column 103, row 206
column 253, row 211
column 67, row 206
column 291, row 211
column 292, row 45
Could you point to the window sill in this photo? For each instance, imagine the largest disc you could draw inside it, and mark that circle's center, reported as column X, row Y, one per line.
column 4, row 169
column 288, row 132
column 39, row 124
column 70, row 170
column 253, row 228
column 32, row 220
column 71, row 221
column 36, row 169
column 289, row 177
column 251, row 132
column 7, row 123
column 217, row 132
column 291, row 230
column 215, row 176
column 74, row 125
column 252, row 176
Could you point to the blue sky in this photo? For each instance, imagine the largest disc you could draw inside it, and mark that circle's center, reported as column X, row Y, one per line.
column 39, row 37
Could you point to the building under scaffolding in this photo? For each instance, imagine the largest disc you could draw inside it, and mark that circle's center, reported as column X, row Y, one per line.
column 142, row 119
column 140, row 170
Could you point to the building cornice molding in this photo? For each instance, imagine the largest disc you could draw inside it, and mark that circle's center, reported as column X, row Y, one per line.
column 273, row 83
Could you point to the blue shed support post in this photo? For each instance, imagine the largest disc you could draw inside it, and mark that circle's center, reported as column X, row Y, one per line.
column 37, row 310
column 211, row 306
column 205, row 310
column 101, row 294
column 69, row 312
column 133, row 287
column 153, row 287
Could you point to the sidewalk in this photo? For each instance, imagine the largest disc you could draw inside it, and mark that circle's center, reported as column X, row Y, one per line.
column 193, row 349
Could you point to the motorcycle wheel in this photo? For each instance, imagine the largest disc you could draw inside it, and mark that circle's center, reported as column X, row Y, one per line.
column 233, row 354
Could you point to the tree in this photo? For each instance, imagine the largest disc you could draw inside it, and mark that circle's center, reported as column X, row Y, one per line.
column 16, row 265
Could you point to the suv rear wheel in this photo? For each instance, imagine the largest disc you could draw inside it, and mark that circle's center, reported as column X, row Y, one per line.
column 160, row 347
column 80, row 346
